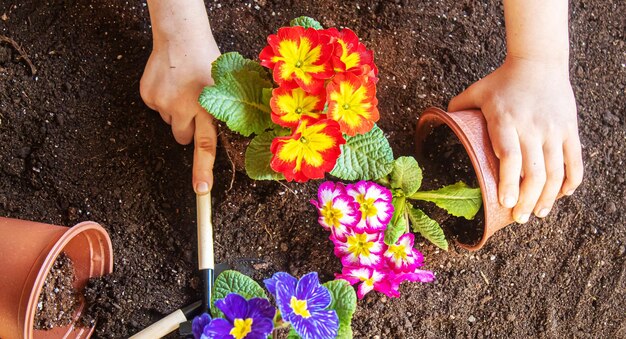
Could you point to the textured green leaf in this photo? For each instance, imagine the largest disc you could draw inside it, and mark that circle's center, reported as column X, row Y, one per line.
column 364, row 157
column 427, row 227
column 259, row 156
column 406, row 175
column 459, row 199
column 398, row 224
column 234, row 282
column 233, row 62
column 344, row 303
column 237, row 100
column 306, row 22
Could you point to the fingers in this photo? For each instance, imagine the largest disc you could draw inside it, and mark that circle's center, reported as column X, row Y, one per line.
column 534, row 180
column 466, row 100
column 553, row 155
column 505, row 141
column 183, row 128
column 205, row 139
column 573, row 165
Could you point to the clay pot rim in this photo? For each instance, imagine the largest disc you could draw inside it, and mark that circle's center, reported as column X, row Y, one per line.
column 46, row 266
column 435, row 114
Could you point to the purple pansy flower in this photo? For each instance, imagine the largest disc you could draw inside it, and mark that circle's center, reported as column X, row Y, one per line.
column 304, row 305
column 250, row 319
column 199, row 323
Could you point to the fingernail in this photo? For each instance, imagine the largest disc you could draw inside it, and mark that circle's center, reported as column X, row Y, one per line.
column 570, row 192
column 509, row 201
column 543, row 212
column 523, row 218
column 202, row 187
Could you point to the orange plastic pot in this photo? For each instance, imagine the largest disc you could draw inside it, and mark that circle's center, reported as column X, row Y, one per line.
column 471, row 129
column 27, row 251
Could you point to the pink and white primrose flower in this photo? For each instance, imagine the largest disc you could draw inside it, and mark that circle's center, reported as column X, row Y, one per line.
column 360, row 249
column 374, row 203
column 370, row 279
column 402, row 257
column 337, row 210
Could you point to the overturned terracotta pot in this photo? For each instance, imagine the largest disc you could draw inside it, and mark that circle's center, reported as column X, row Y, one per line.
column 27, row 251
column 471, row 129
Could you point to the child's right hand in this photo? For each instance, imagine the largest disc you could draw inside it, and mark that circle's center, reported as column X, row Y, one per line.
column 531, row 117
column 177, row 71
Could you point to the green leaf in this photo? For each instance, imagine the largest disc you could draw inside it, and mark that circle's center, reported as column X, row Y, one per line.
column 293, row 334
column 427, row 227
column 237, row 100
column 344, row 303
column 233, row 62
column 234, row 282
column 259, row 156
column 406, row 175
column 364, row 157
column 306, row 22
column 459, row 199
column 398, row 224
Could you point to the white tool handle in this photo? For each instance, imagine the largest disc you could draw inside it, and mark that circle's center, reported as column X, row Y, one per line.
column 205, row 232
column 162, row 327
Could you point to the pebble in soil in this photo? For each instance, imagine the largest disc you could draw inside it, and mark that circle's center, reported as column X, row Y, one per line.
column 58, row 299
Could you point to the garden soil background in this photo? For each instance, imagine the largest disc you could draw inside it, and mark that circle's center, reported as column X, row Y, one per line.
column 77, row 143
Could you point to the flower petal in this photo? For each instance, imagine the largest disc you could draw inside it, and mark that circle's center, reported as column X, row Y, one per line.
column 199, row 323
column 320, row 325
column 218, row 328
column 259, row 308
column 233, row 306
column 283, row 277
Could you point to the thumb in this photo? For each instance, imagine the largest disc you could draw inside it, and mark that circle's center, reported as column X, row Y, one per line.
column 205, row 142
column 468, row 99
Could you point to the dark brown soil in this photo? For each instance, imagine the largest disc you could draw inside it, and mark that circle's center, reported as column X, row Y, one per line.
column 58, row 299
column 445, row 162
column 77, row 143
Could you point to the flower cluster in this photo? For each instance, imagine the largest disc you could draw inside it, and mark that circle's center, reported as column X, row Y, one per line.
column 327, row 88
column 357, row 216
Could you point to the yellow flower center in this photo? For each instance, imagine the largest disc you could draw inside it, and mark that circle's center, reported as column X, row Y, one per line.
column 300, row 58
column 299, row 307
column 358, row 244
column 242, row 328
column 368, row 281
column 308, row 148
column 398, row 251
column 294, row 105
column 331, row 215
column 366, row 206
column 351, row 107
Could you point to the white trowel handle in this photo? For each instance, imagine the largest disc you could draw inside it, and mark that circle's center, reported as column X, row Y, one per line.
column 206, row 260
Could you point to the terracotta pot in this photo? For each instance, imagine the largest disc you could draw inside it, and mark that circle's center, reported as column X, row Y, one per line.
column 471, row 129
column 27, row 251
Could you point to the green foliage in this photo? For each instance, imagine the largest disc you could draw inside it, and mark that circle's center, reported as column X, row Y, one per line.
column 306, row 22
column 234, row 282
column 239, row 96
column 364, row 157
column 234, row 62
column 459, row 199
column 406, row 175
column 427, row 227
column 398, row 224
column 259, row 156
column 344, row 303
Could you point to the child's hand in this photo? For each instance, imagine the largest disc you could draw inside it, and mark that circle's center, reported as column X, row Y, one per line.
column 177, row 71
column 531, row 117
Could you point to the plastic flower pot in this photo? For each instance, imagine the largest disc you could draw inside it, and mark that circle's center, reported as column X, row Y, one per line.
column 27, row 251
column 471, row 129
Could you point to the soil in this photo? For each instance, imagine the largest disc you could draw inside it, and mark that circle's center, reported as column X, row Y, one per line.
column 77, row 143
column 445, row 163
column 58, row 299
